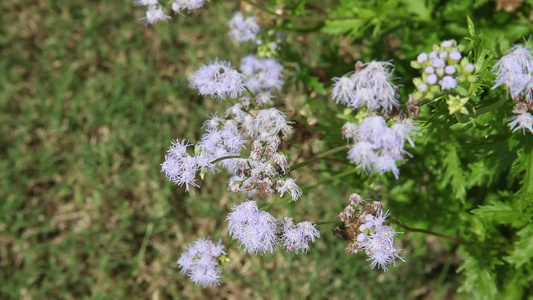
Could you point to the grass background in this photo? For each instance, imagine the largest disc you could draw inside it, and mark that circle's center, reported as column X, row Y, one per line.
column 91, row 99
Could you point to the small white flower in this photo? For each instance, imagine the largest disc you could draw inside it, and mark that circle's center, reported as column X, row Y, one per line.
column 522, row 121
column 289, row 186
column 422, row 57
column 448, row 82
column 455, row 55
column 154, row 13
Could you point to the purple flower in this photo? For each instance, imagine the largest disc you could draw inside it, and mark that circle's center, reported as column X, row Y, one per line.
column 379, row 243
column 289, row 186
column 218, row 79
column 515, row 72
column 200, row 262
column 180, row 167
column 377, row 146
column 262, row 74
column 190, row 5
column 522, row 121
column 296, row 237
column 256, row 230
column 216, row 143
column 243, row 30
column 448, row 82
column 370, row 85
column 154, row 13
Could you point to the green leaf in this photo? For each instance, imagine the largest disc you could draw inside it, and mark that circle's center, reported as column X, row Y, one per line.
column 524, row 163
column 480, row 278
column 471, row 26
column 317, row 85
column 454, row 173
column 523, row 248
column 500, row 212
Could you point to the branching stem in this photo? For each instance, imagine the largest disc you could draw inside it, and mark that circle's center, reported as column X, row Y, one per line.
column 322, row 155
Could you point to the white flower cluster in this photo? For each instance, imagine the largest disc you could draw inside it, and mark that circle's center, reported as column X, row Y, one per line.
column 218, row 79
column 243, row 29
column 515, row 72
column 260, row 232
column 377, row 147
column 155, row 12
column 442, row 69
column 369, row 86
column 366, row 231
column 181, row 167
column 264, row 171
column 262, row 74
column 200, row 262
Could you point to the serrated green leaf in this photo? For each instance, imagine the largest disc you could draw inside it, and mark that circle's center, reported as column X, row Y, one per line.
column 524, row 164
column 499, row 212
column 454, row 173
column 316, row 85
column 523, row 248
column 480, row 278
column 471, row 26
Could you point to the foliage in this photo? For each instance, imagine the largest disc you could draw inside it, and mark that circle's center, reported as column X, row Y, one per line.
column 91, row 98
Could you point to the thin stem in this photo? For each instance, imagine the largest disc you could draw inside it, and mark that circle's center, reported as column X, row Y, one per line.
column 322, row 155
column 305, row 189
column 447, row 237
column 228, row 157
column 292, row 18
column 345, row 173
column 490, row 107
column 461, row 118
column 249, row 92
column 327, row 222
column 267, row 207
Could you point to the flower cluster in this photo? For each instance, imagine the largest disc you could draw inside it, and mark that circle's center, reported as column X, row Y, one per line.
column 264, row 171
column 515, row 72
column 365, row 230
column 180, row 167
column 259, row 232
column 442, row 69
column 262, row 74
column 377, row 147
column 369, row 86
column 200, row 262
column 243, row 29
column 155, row 11
column 522, row 118
column 218, row 79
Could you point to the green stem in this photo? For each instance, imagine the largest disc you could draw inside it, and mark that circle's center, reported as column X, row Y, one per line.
column 425, row 231
column 461, row 118
column 228, row 157
column 346, row 173
column 328, row 222
column 305, row 189
column 249, row 92
column 490, row 107
column 322, row 155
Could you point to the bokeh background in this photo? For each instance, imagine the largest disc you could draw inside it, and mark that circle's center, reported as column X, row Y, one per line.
column 90, row 100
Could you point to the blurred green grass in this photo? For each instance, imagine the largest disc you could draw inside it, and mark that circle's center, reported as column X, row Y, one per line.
column 91, row 99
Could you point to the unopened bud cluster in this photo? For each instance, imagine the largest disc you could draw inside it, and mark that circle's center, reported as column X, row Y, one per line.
column 442, row 69
column 365, row 230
